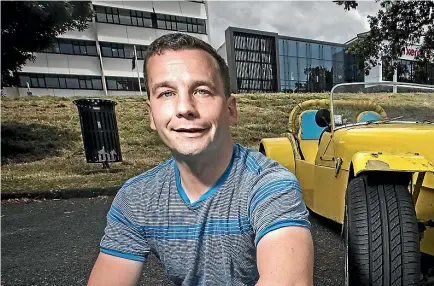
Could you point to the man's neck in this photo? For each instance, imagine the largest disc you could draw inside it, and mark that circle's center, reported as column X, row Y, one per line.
column 200, row 174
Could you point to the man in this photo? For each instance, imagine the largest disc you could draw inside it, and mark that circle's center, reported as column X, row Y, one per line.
column 214, row 213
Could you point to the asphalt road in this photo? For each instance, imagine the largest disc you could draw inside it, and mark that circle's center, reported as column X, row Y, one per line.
column 56, row 243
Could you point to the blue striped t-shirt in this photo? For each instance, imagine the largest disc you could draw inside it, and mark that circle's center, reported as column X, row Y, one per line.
column 213, row 240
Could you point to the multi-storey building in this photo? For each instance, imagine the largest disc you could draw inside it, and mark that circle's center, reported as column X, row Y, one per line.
column 100, row 60
column 268, row 62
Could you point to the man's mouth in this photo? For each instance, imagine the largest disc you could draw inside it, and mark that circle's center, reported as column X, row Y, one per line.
column 190, row 131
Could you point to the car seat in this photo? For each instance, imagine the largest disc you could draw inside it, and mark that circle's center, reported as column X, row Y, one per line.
column 309, row 134
column 368, row 116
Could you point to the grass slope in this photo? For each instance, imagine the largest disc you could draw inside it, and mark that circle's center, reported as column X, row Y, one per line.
column 42, row 146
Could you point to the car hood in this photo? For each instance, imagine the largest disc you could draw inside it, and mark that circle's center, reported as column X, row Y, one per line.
column 387, row 137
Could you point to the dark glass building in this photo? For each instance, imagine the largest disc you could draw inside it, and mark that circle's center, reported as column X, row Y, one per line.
column 268, row 62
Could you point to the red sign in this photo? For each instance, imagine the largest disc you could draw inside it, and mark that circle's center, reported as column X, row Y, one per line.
column 411, row 52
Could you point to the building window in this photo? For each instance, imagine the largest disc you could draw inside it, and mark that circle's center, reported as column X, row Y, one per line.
column 60, row 81
column 182, row 24
column 124, row 83
column 72, row 47
column 125, row 51
column 149, row 20
column 123, row 17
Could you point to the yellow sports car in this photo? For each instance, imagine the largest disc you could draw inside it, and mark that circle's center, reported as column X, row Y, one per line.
column 365, row 159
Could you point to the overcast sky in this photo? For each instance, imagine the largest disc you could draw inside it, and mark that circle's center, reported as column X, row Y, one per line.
column 319, row 20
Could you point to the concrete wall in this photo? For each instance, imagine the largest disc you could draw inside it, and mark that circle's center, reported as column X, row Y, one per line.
column 63, row 64
column 121, row 67
column 13, row 91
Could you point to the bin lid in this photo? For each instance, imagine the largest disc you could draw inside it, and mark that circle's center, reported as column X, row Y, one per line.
column 93, row 102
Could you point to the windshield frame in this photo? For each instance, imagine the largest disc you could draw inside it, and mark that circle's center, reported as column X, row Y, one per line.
column 371, row 84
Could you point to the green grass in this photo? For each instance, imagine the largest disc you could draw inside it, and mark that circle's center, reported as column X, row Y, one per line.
column 42, row 147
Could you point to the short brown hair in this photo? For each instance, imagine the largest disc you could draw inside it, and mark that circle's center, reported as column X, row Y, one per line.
column 180, row 41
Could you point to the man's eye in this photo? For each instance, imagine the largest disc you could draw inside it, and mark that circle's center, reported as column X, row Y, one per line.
column 201, row 92
column 167, row 93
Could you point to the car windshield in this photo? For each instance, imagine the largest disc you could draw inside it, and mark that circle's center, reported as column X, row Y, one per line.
column 385, row 102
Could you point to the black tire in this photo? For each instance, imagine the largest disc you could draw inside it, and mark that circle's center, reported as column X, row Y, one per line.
column 382, row 244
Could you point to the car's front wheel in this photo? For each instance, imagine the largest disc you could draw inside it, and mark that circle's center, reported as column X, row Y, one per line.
column 381, row 232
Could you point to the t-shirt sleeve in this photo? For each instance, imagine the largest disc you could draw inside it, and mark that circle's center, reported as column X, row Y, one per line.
column 122, row 237
column 277, row 201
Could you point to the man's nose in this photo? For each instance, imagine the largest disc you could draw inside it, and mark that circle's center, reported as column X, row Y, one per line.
column 185, row 106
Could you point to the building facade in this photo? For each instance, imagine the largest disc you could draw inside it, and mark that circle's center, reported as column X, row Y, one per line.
column 100, row 60
column 268, row 62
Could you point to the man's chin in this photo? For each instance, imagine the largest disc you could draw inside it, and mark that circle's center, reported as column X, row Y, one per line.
column 189, row 151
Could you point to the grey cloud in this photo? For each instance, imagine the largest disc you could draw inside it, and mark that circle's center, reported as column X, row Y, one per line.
column 319, row 20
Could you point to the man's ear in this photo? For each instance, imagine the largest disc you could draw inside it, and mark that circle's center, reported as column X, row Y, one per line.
column 151, row 118
column 232, row 109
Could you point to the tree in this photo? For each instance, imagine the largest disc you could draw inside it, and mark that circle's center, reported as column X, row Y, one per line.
column 398, row 25
column 31, row 26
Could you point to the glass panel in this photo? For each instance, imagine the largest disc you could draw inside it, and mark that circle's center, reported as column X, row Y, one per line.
column 101, row 17
column 66, row 48
column 201, row 29
column 91, row 50
column 76, row 50
column 161, row 24
column 160, row 17
column 302, row 69
column 52, row 82
column 83, row 50
column 116, row 19
column 182, row 27
column 134, row 21
column 96, row 82
column 129, row 51
column 106, row 51
column 82, row 83
column 41, row 82
column 281, row 48
column 302, row 50
column 314, row 51
column 23, row 80
column 34, row 82
column 194, row 28
column 88, row 83
column 339, row 54
column 111, row 83
column 109, row 18
column 327, row 53
column 181, row 19
column 72, row 82
column 293, row 69
column 99, row 9
column 121, row 53
column 124, row 17
column 291, row 48
column 145, row 22
column 56, row 47
column 282, row 67
column 62, row 82
column 115, row 52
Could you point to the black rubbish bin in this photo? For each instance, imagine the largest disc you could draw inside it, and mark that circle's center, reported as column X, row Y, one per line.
column 99, row 130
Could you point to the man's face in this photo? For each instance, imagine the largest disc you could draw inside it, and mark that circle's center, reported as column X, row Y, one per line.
column 187, row 104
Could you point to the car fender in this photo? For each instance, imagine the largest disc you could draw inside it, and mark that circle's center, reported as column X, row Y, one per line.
column 280, row 150
column 390, row 162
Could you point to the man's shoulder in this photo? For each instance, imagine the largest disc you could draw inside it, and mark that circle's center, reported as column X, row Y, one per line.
column 149, row 178
column 262, row 170
column 259, row 164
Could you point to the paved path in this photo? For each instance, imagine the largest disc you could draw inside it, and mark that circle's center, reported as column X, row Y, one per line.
column 56, row 243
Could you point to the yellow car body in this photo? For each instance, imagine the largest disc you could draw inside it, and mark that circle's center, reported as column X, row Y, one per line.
column 325, row 167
